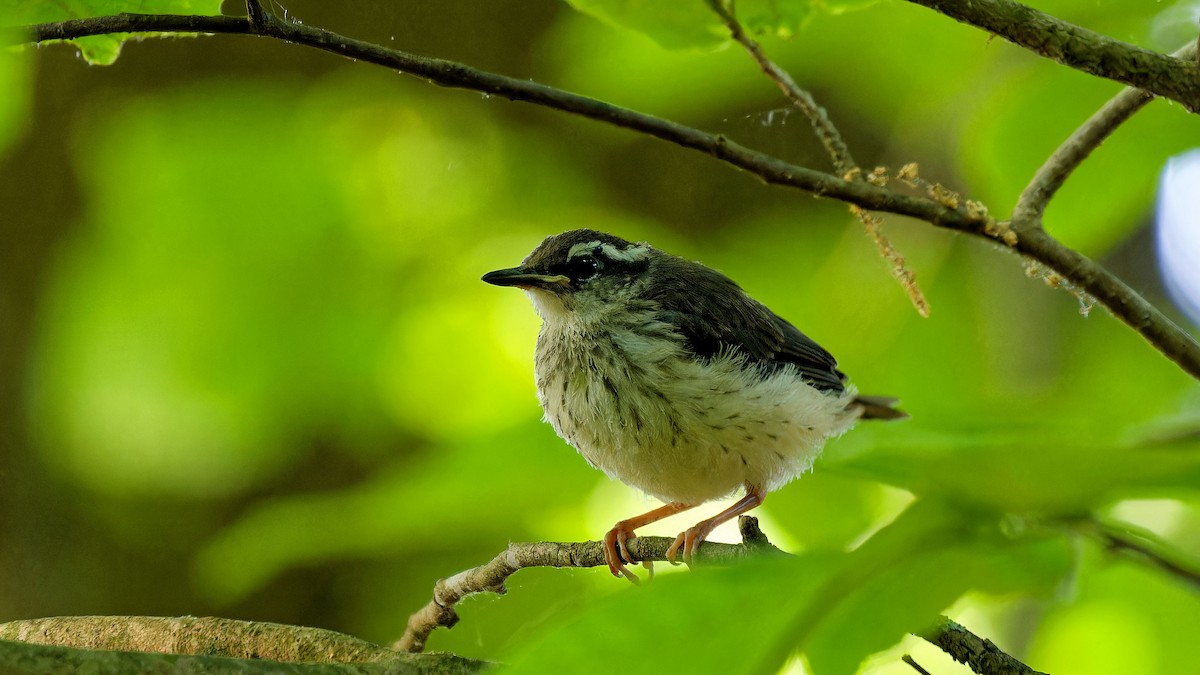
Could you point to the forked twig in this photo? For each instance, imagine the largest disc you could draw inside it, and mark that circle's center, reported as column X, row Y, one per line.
column 826, row 132
column 834, row 144
column 1079, row 145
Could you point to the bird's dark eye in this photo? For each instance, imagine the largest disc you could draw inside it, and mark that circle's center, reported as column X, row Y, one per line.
column 583, row 268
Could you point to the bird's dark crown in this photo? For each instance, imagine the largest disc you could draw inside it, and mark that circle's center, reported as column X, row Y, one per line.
column 582, row 255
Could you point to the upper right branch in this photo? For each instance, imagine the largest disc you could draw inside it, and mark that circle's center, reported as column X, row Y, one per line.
column 1058, row 167
column 1082, row 49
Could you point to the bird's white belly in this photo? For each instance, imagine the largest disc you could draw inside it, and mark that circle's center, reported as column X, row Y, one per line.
column 679, row 429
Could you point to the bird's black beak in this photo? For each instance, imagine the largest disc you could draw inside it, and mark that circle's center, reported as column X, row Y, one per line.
column 522, row 277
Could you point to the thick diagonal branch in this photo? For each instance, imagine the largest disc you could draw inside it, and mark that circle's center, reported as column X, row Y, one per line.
column 1083, row 273
column 983, row 656
column 1079, row 48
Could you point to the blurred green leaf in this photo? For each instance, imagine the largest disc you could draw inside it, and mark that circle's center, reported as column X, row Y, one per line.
column 694, row 24
column 1048, row 470
column 15, row 80
column 697, row 622
column 265, row 295
column 471, row 493
column 101, row 50
column 803, row 509
column 671, row 24
column 1121, row 617
column 186, row 339
column 910, row 592
column 1008, row 149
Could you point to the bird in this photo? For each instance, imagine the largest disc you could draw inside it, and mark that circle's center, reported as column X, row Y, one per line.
column 667, row 376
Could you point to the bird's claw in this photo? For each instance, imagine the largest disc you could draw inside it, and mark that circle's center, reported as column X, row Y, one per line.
column 616, row 553
column 689, row 540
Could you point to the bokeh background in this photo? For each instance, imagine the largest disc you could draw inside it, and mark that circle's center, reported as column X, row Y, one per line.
column 247, row 367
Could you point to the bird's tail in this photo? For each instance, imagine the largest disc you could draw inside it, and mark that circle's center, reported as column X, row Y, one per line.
column 879, row 408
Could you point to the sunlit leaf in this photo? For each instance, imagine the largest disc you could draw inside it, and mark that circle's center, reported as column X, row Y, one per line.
column 698, row 622
column 910, row 593
column 671, row 24
column 1122, row 617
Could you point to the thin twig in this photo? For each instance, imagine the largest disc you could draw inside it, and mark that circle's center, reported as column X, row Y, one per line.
column 256, row 14
column 834, row 144
column 457, row 75
column 1079, row 48
column 1135, row 542
column 1085, row 274
column 873, row 225
column 1054, row 172
column 915, row 666
column 826, row 132
column 491, row 576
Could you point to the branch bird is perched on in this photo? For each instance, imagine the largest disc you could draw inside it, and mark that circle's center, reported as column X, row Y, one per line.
column 667, row 376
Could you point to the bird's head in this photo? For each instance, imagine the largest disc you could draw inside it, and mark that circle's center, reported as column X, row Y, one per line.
column 580, row 272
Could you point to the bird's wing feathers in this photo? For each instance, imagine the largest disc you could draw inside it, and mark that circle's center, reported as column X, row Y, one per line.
column 714, row 315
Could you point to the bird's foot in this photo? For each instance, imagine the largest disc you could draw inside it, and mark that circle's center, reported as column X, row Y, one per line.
column 689, row 540
column 616, row 553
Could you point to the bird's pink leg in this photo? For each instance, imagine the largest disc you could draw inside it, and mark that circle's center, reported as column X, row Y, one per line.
column 616, row 541
column 691, row 538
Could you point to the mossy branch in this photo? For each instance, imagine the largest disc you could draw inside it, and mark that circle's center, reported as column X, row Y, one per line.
column 146, row 644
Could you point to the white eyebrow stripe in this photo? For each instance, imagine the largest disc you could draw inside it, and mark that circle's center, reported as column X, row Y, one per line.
column 579, row 249
column 628, row 255
column 631, row 254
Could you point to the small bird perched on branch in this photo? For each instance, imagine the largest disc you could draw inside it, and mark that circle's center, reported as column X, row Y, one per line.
column 667, row 376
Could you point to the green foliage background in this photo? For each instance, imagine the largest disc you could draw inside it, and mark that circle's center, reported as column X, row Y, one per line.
column 248, row 368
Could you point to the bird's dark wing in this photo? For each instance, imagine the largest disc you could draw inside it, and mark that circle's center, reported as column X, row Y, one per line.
column 715, row 315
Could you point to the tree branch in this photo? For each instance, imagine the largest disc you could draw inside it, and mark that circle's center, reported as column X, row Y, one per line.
column 256, row 15
column 826, row 132
column 1027, row 214
column 1098, row 283
column 1085, row 274
column 143, row 644
column 1079, row 48
column 491, row 576
column 1136, row 543
column 981, row 655
column 834, row 144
